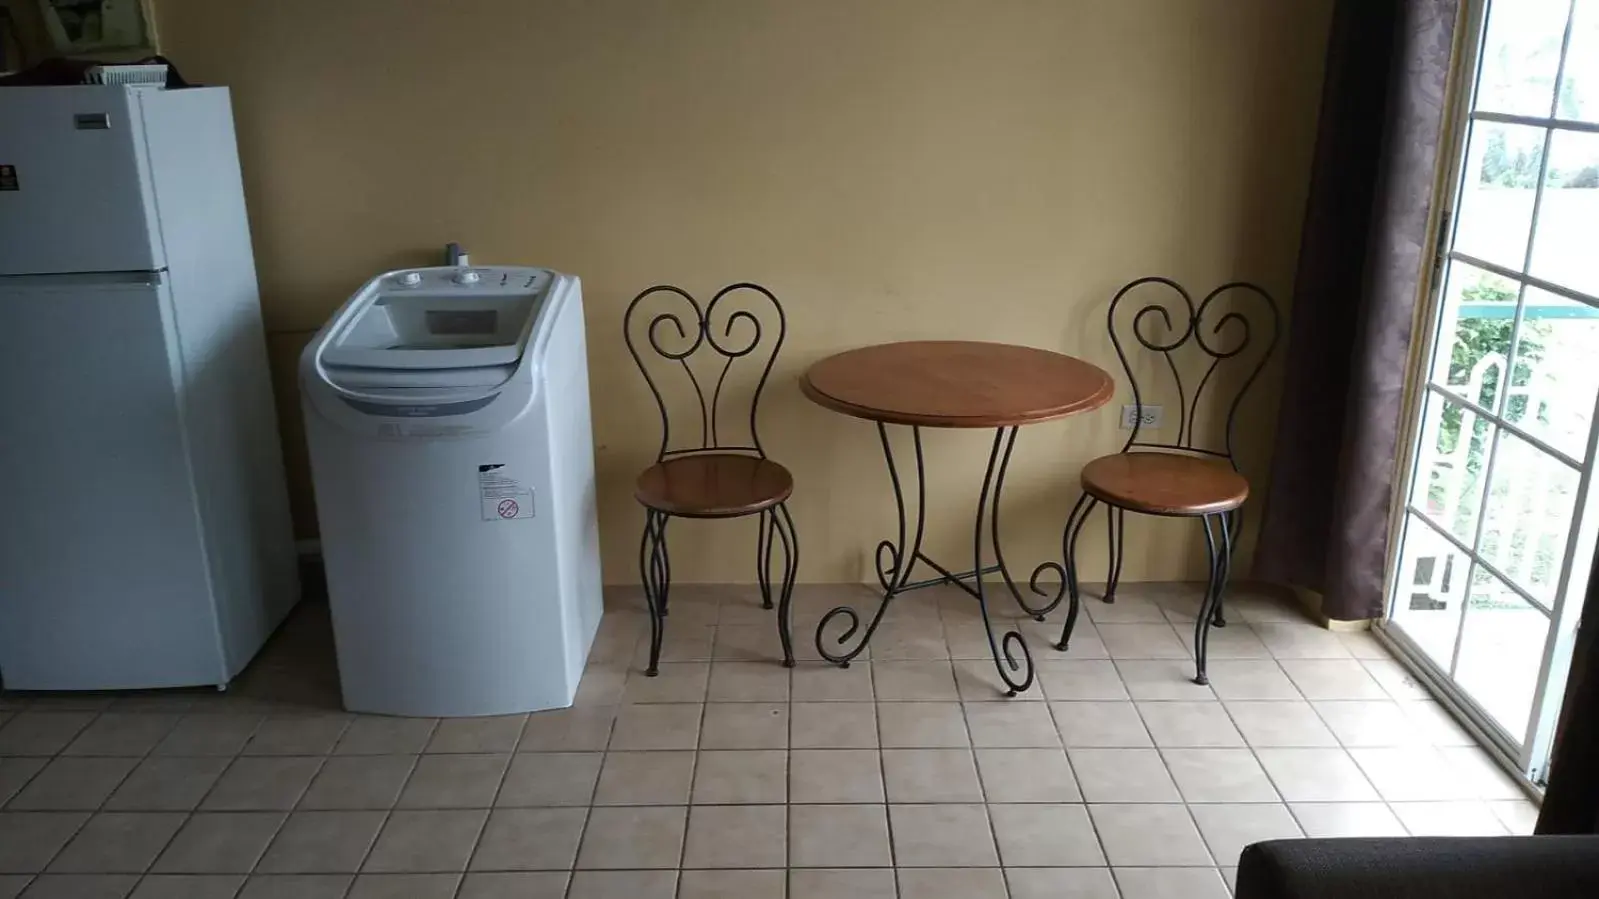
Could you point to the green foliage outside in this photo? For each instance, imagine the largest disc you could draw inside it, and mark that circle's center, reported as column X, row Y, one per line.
column 1504, row 166
column 1475, row 338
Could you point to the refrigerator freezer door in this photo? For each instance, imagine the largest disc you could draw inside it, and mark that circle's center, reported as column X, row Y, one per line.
column 103, row 578
column 75, row 190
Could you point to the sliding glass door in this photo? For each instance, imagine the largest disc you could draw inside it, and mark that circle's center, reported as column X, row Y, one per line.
column 1499, row 525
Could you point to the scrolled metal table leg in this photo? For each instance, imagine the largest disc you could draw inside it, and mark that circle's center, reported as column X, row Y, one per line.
column 893, row 576
column 1068, row 539
column 897, row 558
column 1049, row 567
column 1008, row 643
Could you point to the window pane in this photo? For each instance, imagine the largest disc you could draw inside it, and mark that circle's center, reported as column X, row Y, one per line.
column 1553, row 391
column 1495, row 215
column 1568, row 218
column 1579, row 89
column 1449, row 466
column 1520, row 55
column 1530, row 504
column 1429, row 590
column 1478, row 314
column 1500, row 652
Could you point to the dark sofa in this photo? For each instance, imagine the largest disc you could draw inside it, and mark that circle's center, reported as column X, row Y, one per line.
column 1539, row 867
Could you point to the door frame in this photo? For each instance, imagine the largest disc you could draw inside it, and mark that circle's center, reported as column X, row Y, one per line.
column 1528, row 762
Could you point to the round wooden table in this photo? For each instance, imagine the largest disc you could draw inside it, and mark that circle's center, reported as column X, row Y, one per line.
column 952, row 384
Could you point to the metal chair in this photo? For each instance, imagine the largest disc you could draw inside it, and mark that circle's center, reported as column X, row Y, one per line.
column 1183, row 478
column 707, row 476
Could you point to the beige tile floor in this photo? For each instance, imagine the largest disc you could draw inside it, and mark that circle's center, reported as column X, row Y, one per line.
column 906, row 775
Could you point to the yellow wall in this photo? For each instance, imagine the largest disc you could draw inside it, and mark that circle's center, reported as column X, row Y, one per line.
column 893, row 169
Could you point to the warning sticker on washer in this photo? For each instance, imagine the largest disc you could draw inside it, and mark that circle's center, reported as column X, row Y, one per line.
column 504, row 498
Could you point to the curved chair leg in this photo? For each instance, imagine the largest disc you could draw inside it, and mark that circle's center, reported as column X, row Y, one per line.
column 1069, row 556
column 766, row 524
column 1114, row 519
column 1211, row 601
column 783, row 525
column 1230, row 523
column 653, row 574
column 664, row 576
column 1229, row 544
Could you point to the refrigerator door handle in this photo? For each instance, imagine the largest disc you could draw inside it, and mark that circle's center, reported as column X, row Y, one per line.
column 87, row 279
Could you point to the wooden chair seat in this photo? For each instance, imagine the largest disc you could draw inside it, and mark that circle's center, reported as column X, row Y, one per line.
column 1165, row 484
column 714, row 485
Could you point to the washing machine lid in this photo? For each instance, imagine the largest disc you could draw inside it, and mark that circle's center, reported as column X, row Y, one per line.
column 440, row 320
column 408, row 379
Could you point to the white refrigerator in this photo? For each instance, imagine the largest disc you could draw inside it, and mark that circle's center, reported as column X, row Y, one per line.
column 145, row 538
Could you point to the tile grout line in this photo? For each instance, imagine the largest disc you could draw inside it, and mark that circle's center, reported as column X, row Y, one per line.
column 1155, row 746
column 610, row 732
column 882, row 767
column 982, row 790
column 190, row 814
column 1187, row 805
column 267, row 846
column 60, row 753
column 34, row 876
column 788, row 776
column 1344, row 747
column 694, row 761
column 1341, row 747
column 1254, row 754
column 49, row 760
column 388, row 813
column 588, row 812
column 293, row 807
column 494, row 802
column 1093, row 825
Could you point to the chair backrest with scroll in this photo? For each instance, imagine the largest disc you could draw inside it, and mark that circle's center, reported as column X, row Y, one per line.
column 1230, row 345
column 688, row 354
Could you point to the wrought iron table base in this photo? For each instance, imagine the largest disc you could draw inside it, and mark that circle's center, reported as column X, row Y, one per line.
column 1012, row 659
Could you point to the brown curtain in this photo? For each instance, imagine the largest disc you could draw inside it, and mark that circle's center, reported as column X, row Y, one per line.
column 1571, row 801
column 1360, row 262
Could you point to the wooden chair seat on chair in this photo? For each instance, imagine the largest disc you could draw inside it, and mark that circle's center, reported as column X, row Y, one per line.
column 714, row 485
column 1165, row 484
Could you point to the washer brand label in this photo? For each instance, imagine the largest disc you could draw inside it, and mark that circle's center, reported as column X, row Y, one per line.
column 426, row 430
column 502, row 496
column 441, row 410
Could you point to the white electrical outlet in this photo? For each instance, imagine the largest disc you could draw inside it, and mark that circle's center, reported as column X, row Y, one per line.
column 1150, row 419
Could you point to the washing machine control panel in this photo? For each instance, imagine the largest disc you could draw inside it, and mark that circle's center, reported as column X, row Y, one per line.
column 473, row 280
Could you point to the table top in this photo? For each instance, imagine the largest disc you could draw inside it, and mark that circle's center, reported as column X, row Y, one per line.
column 956, row 384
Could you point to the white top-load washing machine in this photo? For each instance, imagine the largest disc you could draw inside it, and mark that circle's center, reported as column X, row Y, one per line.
column 447, row 411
